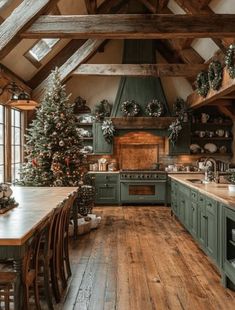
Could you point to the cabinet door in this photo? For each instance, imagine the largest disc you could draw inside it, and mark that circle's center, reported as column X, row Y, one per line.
column 202, row 223
column 212, row 236
column 182, row 207
column 193, row 218
column 100, row 145
column 107, row 193
column 183, row 142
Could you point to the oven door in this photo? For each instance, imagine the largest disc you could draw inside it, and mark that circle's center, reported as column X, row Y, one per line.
column 143, row 191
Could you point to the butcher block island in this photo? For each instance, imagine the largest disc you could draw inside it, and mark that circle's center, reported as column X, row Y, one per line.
column 207, row 211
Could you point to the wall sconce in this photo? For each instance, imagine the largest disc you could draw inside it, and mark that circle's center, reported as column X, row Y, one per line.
column 19, row 98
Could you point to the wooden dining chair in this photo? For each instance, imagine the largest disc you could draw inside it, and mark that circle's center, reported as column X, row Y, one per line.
column 8, row 280
column 31, row 265
column 60, row 265
column 46, row 258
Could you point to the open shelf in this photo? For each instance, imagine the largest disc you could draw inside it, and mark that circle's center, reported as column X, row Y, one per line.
column 213, row 138
column 84, row 124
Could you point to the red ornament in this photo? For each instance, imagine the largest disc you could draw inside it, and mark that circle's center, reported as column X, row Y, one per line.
column 34, row 162
column 67, row 161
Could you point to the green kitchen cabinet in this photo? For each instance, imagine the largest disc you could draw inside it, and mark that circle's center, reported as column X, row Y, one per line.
column 212, row 228
column 182, row 144
column 174, row 201
column 100, row 145
column 193, row 211
column 202, row 220
column 107, row 188
column 228, row 246
column 183, row 203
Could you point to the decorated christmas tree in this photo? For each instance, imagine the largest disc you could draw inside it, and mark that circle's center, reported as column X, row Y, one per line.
column 53, row 145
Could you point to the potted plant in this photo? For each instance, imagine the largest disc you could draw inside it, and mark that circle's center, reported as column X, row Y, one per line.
column 231, row 179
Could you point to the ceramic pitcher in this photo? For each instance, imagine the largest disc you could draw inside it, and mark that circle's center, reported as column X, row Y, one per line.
column 204, row 117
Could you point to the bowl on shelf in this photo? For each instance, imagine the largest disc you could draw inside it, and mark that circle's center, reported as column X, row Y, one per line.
column 210, row 148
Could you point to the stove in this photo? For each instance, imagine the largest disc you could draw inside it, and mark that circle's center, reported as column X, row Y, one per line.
column 143, row 186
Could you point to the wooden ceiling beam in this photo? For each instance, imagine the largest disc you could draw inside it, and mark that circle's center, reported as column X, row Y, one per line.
column 200, row 7
column 4, row 4
column 108, row 6
column 132, row 26
column 158, row 70
column 156, row 7
column 56, row 61
column 228, row 85
column 80, row 56
column 91, row 6
column 23, row 15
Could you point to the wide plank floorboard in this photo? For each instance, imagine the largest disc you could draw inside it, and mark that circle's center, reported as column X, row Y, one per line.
column 141, row 258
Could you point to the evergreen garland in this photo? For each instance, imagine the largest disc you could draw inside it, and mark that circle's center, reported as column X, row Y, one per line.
column 215, row 75
column 202, row 83
column 229, row 61
column 174, row 130
column 154, row 108
column 130, row 108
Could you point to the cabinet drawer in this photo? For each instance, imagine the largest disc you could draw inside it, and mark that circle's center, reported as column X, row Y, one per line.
column 194, row 195
column 106, row 178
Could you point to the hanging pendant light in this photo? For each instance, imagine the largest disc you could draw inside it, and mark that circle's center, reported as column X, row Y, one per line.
column 19, row 98
column 22, row 102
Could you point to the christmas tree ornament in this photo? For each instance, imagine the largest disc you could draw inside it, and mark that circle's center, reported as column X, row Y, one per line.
column 61, row 143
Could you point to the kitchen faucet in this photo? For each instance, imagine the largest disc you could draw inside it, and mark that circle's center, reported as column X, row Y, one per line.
column 208, row 176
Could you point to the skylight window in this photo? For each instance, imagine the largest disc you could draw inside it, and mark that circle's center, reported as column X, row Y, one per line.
column 42, row 48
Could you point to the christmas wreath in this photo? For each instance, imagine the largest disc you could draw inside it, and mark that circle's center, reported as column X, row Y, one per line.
column 215, row 75
column 102, row 109
column 130, row 108
column 154, row 108
column 202, row 83
column 108, row 130
column 230, row 61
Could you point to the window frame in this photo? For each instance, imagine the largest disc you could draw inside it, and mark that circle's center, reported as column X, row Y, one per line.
column 33, row 60
column 3, row 125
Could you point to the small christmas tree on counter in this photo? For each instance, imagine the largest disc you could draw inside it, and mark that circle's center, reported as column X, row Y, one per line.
column 53, row 145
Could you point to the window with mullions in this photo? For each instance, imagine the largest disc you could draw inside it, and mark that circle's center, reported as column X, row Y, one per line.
column 2, row 143
column 16, row 144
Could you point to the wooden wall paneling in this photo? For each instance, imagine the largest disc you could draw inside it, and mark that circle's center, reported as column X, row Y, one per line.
column 132, row 26
column 19, row 20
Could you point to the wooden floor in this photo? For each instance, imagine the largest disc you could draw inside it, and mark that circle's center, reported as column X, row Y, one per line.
column 141, row 258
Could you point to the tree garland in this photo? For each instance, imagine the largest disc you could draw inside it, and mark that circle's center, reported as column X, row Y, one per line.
column 130, row 108
column 215, row 75
column 230, row 61
column 108, row 130
column 154, row 108
column 202, row 83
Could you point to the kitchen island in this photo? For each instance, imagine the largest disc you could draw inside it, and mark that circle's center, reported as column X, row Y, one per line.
column 207, row 211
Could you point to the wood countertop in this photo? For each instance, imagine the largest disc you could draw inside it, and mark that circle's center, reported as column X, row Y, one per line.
column 213, row 190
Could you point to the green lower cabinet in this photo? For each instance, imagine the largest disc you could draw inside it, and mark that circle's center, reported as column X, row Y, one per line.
column 174, row 202
column 212, row 229
column 193, row 213
column 183, row 204
column 107, row 188
column 228, row 246
column 202, row 220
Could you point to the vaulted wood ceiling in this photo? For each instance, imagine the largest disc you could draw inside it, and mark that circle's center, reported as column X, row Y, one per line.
column 86, row 34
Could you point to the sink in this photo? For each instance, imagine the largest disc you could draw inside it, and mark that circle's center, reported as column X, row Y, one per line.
column 197, row 181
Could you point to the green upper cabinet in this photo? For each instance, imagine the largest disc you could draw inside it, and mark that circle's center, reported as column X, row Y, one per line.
column 182, row 144
column 100, row 145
